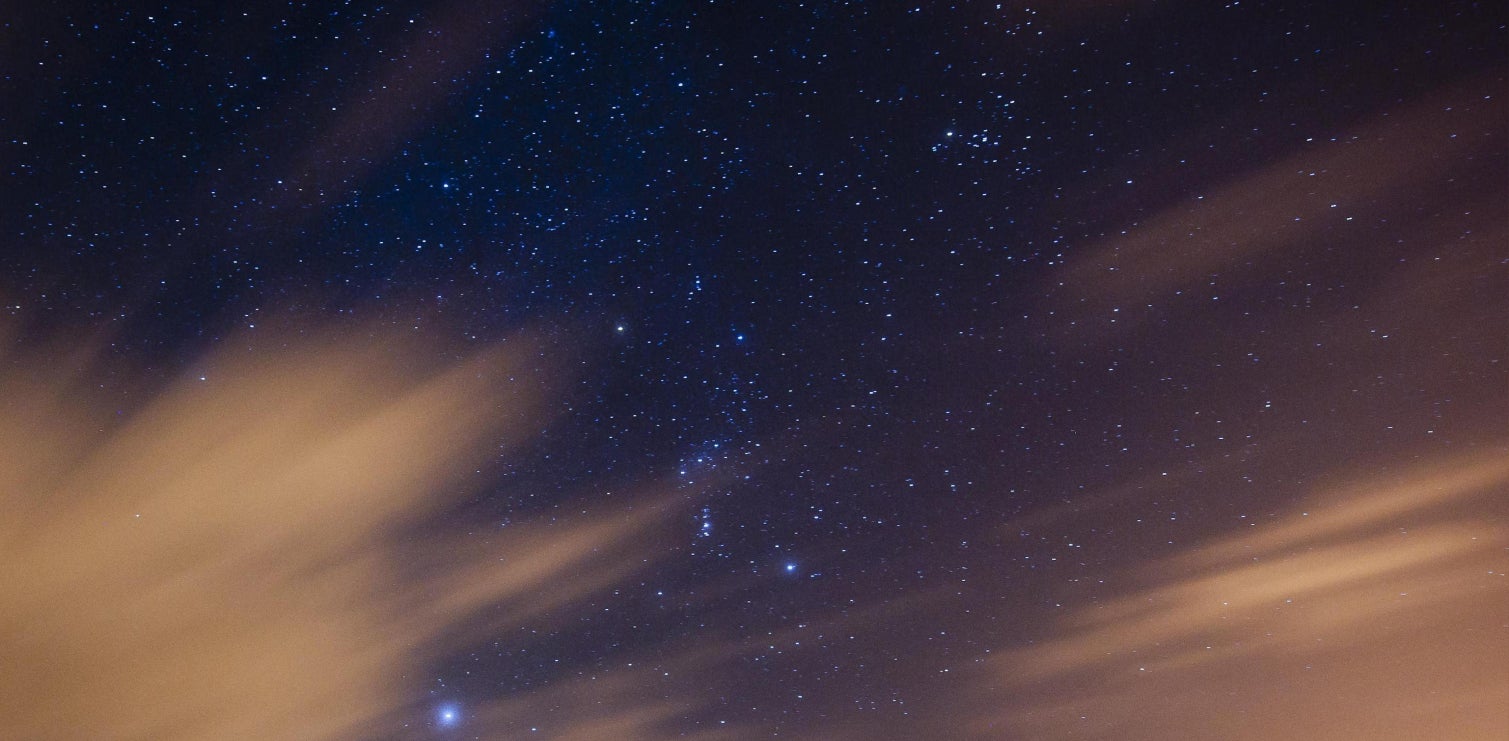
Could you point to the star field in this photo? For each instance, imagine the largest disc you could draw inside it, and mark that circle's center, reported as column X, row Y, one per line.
column 956, row 347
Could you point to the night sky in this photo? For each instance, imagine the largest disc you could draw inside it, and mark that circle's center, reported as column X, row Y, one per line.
column 731, row 370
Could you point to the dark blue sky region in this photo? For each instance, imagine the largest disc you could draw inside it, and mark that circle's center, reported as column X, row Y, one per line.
column 942, row 331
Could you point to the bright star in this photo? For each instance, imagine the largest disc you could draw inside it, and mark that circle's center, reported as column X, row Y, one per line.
column 448, row 715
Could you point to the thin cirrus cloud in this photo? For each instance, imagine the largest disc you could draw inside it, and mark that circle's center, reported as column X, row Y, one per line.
column 1374, row 612
column 1421, row 164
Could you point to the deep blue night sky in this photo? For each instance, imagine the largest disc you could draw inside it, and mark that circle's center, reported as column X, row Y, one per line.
column 932, row 321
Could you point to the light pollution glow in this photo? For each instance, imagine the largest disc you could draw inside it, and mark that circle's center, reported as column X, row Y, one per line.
column 230, row 562
column 235, row 559
column 1375, row 612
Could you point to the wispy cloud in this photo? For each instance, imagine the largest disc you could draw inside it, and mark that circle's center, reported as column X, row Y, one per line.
column 252, row 552
column 1376, row 609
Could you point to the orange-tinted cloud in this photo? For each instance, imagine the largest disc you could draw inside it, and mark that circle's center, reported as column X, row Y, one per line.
column 1375, row 613
column 252, row 554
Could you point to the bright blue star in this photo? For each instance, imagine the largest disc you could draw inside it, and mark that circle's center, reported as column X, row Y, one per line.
column 448, row 715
